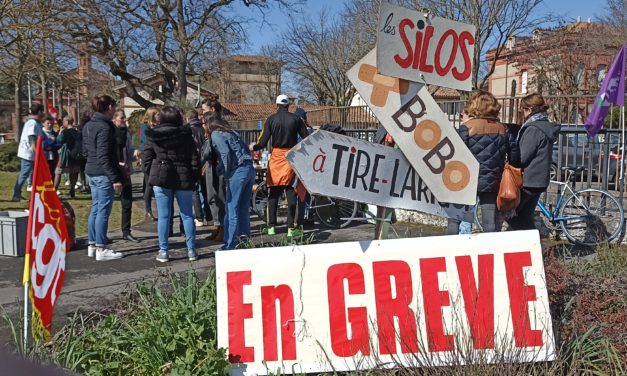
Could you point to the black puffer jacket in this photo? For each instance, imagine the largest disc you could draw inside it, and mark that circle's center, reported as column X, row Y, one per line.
column 536, row 152
column 100, row 147
column 491, row 143
column 170, row 157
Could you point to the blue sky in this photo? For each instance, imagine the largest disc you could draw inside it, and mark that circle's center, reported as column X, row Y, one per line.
column 260, row 35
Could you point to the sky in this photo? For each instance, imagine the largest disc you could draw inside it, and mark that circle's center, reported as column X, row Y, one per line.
column 260, row 34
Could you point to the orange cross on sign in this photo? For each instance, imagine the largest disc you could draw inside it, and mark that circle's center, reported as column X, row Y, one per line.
column 381, row 85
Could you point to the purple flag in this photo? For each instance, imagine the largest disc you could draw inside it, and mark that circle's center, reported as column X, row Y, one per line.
column 612, row 91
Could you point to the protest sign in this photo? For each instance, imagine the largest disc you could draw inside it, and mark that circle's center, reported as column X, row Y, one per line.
column 421, row 130
column 429, row 50
column 434, row 301
column 333, row 165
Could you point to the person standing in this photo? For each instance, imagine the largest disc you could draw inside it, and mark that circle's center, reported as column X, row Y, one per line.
column 125, row 156
column 171, row 162
column 535, row 142
column 85, row 118
column 235, row 163
column 216, row 188
column 283, row 127
column 490, row 143
column 69, row 162
column 26, row 149
column 201, row 209
column 105, row 176
column 151, row 119
column 51, row 148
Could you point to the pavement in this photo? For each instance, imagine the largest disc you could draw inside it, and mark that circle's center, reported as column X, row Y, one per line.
column 95, row 285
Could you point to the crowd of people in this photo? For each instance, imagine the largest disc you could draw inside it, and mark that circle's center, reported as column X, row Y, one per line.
column 196, row 159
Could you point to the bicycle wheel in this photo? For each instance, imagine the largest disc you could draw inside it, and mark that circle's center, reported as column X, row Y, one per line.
column 260, row 201
column 592, row 217
column 334, row 212
column 260, row 204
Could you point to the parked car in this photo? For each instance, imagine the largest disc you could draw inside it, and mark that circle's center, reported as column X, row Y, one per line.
column 577, row 149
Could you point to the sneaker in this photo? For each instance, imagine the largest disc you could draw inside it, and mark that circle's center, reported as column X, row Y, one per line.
column 108, row 254
column 192, row 255
column 16, row 199
column 29, row 188
column 78, row 184
column 91, row 251
column 162, row 256
column 67, row 183
column 198, row 223
column 294, row 232
column 268, row 231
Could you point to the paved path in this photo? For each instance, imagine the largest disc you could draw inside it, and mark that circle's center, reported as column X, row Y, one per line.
column 91, row 285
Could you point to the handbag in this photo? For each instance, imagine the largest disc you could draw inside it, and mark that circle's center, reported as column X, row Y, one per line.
column 508, row 197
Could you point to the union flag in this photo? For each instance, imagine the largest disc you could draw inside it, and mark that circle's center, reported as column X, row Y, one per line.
column 46, row 246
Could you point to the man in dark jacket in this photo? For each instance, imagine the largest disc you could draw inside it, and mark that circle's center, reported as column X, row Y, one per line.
column 105, row 176
column 283, row 128
column 199, row 198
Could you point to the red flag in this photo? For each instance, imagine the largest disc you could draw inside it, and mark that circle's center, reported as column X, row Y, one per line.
column 46, row 245
column 52, row 111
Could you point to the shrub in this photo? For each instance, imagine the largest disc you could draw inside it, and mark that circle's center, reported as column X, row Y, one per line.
column 9, row 160
column 157, row 333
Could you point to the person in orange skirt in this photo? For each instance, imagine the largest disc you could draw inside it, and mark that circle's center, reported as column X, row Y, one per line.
column 283, row 128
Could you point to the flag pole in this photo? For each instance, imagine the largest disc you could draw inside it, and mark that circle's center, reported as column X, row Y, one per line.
column 25, row 341
column 622, row 154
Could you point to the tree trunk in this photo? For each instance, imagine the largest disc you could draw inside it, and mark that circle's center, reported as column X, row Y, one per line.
column 18, row 108
column 182, row 77
column 44, row 91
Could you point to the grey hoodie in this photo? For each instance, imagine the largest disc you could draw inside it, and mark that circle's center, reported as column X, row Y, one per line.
column 536, row 152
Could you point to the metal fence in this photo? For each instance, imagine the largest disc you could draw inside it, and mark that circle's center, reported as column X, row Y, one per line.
column 600, row 156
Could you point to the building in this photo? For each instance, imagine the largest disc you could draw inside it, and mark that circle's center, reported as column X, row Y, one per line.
column 249, row 79
column 129, row 105
column 567, row 60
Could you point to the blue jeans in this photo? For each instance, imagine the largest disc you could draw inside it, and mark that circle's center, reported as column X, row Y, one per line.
column 102, row 195
column 238, row 195
column 26, row 173
column 165, row 198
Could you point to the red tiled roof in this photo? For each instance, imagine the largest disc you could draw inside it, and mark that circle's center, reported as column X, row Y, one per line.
column 441, row 92
column 244, row 111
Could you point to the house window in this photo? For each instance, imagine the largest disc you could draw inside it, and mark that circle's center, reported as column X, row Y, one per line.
column 601, row 70
column 524, row 78
column 579, row 74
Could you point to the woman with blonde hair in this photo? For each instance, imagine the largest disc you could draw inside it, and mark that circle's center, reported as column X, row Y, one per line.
column 491, row 144
column 69, row 158
column 150, row 120
column 535, row 140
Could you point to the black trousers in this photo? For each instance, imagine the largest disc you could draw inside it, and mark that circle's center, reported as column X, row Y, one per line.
column 273, row 203
column 126, row 199
column 148, row 194
column 525, row 212
column 216, row 195
column 199, row 200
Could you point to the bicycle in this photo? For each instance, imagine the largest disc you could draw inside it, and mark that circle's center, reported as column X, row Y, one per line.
column 587, row 217
column 331, row 212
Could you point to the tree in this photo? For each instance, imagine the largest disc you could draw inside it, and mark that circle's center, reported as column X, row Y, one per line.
column 318, row 53
column 173, row 39
column 495, row 20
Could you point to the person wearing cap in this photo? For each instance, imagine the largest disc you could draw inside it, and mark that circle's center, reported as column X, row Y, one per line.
column 283, row 128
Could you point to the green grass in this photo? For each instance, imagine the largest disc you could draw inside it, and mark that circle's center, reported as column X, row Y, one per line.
column 81, row 204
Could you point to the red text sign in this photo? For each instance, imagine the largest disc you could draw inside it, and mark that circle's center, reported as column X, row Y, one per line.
column 346, row 306
column 429, row 50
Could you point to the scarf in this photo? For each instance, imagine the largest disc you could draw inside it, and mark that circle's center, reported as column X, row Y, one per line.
column 535, row 117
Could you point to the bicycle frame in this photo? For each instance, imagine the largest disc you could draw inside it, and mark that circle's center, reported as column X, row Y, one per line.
column 552, row 215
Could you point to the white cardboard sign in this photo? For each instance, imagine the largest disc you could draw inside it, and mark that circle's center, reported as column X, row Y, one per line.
column 333, row 165
column 430, row 50
column 434, row 301
column 421, row 130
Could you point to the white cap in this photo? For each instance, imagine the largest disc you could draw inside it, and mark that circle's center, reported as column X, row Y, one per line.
column 282, row 99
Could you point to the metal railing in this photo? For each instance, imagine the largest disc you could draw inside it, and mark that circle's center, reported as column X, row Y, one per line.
column 600, row 156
